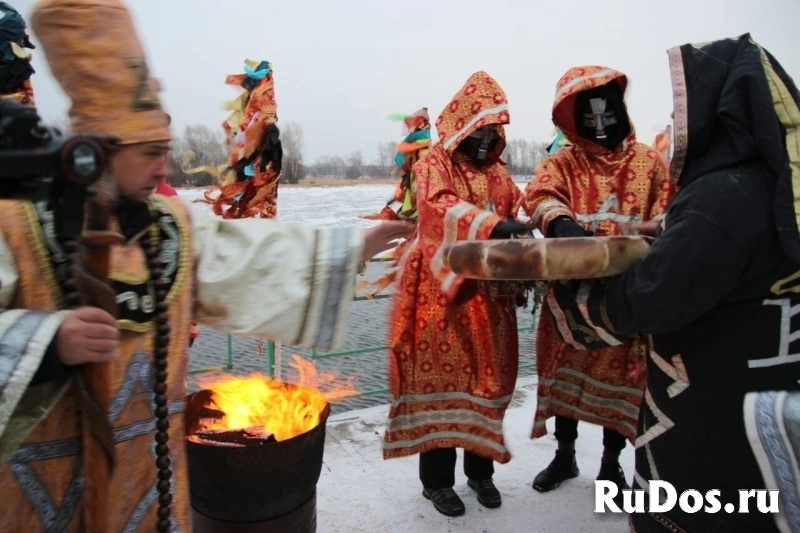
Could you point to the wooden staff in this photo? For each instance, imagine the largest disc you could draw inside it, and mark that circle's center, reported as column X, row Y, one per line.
column 91, row 278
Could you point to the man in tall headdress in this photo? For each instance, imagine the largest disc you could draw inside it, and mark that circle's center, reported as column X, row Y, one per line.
column 249, row 183
column 15, row 61
column 599, row 185
column 453, row 347
column 91, row 430
column 717, row 296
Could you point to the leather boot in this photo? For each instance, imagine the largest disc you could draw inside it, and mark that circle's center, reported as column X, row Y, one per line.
column 612, row 471
column 488, row 495
column 561, row 468
column 446, row 501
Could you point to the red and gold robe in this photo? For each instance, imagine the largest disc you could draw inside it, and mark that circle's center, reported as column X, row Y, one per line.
column 604, row 191
column 453, row 347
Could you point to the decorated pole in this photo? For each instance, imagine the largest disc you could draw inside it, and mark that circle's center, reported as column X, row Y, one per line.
column 248, row 184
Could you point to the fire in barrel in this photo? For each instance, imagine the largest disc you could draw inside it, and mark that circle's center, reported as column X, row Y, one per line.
column 255, row 447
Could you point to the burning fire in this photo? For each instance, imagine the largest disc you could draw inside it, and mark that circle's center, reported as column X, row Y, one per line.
column 284, row 410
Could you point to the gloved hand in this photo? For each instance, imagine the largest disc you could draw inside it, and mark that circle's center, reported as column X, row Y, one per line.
column 509, row 227
column 564, row 227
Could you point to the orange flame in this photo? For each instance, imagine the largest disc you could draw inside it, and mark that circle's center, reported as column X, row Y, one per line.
column 284, row 410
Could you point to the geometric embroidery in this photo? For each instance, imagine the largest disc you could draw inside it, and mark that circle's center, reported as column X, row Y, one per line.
column 609, row 212
column 664, row 423
column 138, row 374
column 676, row 371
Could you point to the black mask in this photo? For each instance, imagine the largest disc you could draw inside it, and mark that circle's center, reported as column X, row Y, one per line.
column 480, row 144
column 600, row 115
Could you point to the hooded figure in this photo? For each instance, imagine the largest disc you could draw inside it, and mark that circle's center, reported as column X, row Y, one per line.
column 453, row 347
column 601, row 183
column 718, row 296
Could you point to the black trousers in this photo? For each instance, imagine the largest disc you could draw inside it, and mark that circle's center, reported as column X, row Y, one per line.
column 437, row 468
column 567, row 430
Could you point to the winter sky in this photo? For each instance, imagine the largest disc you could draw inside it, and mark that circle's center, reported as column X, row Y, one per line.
column 342, row 66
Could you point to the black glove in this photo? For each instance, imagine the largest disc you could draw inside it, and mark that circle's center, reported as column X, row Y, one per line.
column 564, row 227
column 507, row 228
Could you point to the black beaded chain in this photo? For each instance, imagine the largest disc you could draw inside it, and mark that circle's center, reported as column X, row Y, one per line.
column 161, row 411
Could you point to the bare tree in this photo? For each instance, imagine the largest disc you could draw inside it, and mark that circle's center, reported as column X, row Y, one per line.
column 522, row 156
column 208, row 147
column 355, row 165
column 293, row 143
column 539, row 150
column 386, row 153
column 329, row 166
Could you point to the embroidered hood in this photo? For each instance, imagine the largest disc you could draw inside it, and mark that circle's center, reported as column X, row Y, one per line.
column 481, row 101
column 578, row 80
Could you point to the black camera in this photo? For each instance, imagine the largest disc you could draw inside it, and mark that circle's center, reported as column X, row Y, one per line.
column 34, row 157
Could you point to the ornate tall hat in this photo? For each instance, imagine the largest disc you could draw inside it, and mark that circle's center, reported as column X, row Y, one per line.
column 95, row 55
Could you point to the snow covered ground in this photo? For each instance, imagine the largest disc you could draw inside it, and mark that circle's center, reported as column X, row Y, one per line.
column 359, row 491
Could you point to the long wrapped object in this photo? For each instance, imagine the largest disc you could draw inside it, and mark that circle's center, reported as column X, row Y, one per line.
column 545, row 259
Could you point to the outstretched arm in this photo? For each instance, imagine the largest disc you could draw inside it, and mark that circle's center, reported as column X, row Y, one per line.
column 288, row 282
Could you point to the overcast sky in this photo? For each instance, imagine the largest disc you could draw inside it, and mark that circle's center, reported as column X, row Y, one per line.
column 341, row 66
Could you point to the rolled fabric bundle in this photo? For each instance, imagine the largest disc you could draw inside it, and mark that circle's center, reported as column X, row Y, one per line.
column 545, row 259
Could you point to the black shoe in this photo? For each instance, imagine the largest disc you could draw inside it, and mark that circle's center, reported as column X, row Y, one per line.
column 488, row 495
column 446, row 501
column 611, row 471
column 560, row 469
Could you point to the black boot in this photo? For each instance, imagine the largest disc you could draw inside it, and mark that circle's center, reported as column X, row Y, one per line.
column 610, row 470
column 446, row 501
column 488, row 495
column 561, row 468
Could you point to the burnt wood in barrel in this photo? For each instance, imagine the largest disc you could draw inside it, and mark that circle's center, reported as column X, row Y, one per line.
column 251, row 483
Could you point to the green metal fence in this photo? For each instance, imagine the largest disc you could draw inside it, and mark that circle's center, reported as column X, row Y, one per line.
column 271, row 349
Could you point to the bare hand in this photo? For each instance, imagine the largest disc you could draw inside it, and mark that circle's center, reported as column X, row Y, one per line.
column 379, row 238
column 87, row 335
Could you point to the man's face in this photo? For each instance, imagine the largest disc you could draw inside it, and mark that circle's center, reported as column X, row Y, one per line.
column 138, row 169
